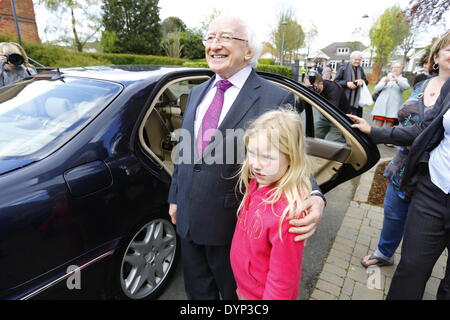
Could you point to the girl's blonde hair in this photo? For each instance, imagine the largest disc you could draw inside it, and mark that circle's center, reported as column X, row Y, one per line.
column 284, row 129
column 12, row 47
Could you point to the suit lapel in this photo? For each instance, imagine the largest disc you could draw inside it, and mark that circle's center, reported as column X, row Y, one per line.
column 193, row 105
column 243, row 103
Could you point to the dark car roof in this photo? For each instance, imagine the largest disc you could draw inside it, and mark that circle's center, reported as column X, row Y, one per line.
column 126, row 74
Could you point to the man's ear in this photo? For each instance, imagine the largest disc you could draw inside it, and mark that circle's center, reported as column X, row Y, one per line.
column 248, row 54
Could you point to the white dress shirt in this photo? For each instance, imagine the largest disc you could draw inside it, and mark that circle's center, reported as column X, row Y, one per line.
column 237, row 80
column 439, row 163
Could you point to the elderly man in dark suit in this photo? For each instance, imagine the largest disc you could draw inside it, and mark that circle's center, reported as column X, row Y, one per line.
column 203, row 198
column 427, row 229
column 351, row 77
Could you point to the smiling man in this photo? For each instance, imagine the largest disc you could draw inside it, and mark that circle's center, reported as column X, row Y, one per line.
column 203, row 198
column 351, row 77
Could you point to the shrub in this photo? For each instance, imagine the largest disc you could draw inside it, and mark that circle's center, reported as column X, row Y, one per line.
column 7, row 38
column 284, row 71
column 54, row 56
column 123, row 58
column 268, row 61
column 193, row 64
column 192, row 45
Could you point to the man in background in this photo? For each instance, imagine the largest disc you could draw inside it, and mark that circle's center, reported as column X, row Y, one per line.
column 334, row 93
column 351, row 77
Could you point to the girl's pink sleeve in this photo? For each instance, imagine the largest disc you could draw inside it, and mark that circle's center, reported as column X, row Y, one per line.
column 285, row 265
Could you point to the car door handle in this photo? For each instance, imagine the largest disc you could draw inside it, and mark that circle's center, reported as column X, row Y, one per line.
column 88, row 178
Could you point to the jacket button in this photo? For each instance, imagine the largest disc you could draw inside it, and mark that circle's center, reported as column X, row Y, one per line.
column 197, row 168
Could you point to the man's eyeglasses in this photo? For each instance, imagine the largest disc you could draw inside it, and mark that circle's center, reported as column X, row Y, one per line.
column 223, row 38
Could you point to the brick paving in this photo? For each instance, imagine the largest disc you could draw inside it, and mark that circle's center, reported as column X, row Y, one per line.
column 343, row 277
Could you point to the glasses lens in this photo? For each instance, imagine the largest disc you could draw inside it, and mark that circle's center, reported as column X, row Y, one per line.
column 226, row 38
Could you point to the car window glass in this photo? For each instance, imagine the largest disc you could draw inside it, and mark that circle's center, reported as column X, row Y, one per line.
column 316, row 125
column 40, row 114
column 173, row 100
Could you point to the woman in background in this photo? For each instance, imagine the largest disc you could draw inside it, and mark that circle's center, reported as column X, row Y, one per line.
column 390, row 98
column 14, row 65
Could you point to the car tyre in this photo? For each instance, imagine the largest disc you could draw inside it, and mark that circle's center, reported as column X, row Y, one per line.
column 145, row 262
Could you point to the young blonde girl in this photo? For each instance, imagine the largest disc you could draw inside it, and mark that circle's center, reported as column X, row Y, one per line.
column 266, row 260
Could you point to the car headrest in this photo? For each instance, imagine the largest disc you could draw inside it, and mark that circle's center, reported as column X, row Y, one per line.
column 55, row 107
column 183, row 102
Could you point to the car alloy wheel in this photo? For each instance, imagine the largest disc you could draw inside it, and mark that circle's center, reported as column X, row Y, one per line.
column 148, row 259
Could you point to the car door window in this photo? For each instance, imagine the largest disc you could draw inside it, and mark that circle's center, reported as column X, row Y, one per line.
column 335, row 156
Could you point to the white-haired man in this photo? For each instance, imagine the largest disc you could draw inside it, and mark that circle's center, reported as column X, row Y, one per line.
column 351, row 77
column 203, row 198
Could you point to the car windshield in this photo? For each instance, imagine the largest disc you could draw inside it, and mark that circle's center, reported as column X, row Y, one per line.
column 40, row 113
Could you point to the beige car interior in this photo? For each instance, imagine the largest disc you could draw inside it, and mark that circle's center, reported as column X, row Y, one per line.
column 165, row 115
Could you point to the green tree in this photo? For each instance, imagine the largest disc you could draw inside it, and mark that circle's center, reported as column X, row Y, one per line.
column 172, row 24
column 109, row 42
column 288, row 36
column 204, row 23
column 387, row 33
column 178, row 40
column 310, row 36
column 172, row 45
column 193, row 47
column 136, row 24
column 82, row 17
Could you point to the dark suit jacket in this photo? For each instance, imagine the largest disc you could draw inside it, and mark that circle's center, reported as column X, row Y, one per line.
column 423, row 137
column 340, row 76
column 206, row 194
column 334, row 93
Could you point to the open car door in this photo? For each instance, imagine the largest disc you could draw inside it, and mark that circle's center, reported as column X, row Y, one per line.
column 335, row 160
column 338, row 156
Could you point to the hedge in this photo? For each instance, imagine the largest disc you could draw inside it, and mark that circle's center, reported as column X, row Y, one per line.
column 284, row 71
column 124, row 58
column 195, row 64
column 266, row 61
column 55, row 56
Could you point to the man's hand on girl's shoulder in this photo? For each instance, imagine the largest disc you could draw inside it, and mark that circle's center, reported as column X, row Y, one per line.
column 306, row 226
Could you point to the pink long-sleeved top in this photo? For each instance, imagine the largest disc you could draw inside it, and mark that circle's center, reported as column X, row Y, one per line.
column 264, row 266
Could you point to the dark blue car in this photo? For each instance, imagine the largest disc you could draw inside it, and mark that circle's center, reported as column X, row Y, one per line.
column 85, row 168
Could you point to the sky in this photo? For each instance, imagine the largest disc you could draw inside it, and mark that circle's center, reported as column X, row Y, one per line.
column 334, row 20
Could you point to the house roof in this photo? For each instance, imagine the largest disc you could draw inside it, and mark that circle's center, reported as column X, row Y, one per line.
column 318, row 54
column 331, row 49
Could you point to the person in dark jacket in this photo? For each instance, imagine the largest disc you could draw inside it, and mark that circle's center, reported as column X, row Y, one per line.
column 351, row 77
column 334, row 93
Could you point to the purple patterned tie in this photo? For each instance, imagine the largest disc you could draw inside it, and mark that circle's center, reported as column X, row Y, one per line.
column 212, row 116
